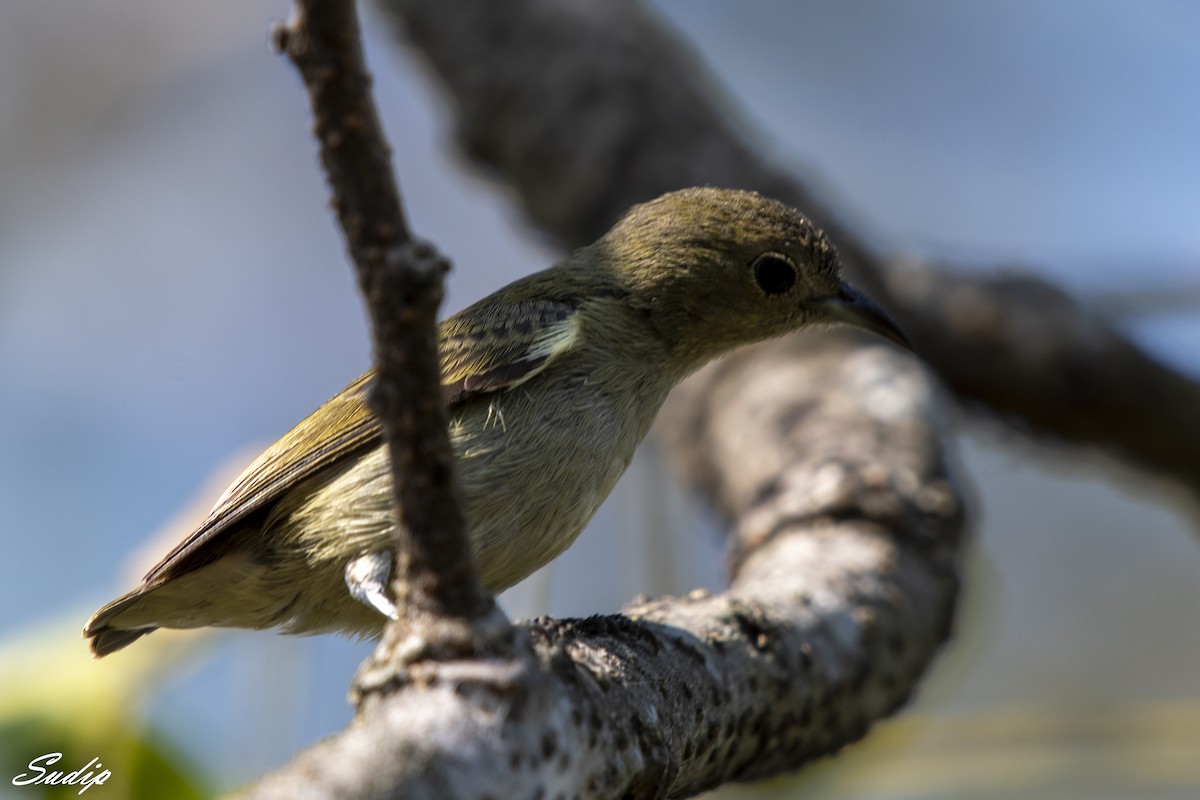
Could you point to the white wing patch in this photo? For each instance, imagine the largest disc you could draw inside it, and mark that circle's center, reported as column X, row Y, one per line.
column 555, row 340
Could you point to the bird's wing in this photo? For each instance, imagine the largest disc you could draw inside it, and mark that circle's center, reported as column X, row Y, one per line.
column 501, row 346
column 485, row 348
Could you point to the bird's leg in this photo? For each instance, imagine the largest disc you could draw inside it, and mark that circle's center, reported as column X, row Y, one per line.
column 368, row 576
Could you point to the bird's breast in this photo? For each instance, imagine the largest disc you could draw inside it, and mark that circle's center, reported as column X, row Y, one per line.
column 536, row 462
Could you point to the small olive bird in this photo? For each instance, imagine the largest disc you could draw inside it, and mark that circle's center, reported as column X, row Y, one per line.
column 551, row 382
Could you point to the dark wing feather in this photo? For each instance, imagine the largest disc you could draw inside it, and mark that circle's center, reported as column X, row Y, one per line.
column 495, row 348
column 485, row 348
column 337, row 429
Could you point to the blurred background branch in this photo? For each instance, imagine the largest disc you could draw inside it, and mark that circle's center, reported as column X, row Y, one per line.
column 589, row 107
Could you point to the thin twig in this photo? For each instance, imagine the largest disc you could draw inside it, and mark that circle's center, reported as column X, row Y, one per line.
column 401, row 279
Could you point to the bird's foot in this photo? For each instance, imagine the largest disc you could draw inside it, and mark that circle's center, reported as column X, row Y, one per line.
column 368, row 576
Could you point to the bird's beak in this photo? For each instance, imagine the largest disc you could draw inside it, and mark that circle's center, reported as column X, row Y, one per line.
column 853, row 307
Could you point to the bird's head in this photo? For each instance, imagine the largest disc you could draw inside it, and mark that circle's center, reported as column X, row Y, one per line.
column 717, row 268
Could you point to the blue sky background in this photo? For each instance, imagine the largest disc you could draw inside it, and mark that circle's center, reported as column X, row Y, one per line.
column 173, row 291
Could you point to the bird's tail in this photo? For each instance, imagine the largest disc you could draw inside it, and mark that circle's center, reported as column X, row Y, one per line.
column 104, row 631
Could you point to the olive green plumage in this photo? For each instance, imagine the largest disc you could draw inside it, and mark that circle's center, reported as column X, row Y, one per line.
column 551, row 383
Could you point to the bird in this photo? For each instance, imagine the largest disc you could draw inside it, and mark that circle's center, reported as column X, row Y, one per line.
column 551, row 383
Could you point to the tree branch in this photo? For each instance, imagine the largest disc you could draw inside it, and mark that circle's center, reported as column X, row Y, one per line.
column 847, row 529
column 436, row 585
column 589, row 106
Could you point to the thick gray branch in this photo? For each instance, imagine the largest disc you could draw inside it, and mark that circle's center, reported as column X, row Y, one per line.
column 589, row 106
column 847, row 529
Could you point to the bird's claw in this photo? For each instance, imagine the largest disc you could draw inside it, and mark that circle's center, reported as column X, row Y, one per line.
column 368, row 576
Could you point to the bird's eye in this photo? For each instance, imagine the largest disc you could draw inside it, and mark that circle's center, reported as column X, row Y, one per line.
column 774, row 273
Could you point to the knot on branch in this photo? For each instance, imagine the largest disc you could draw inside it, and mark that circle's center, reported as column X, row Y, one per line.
column 419, row 257
column 428, row 647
